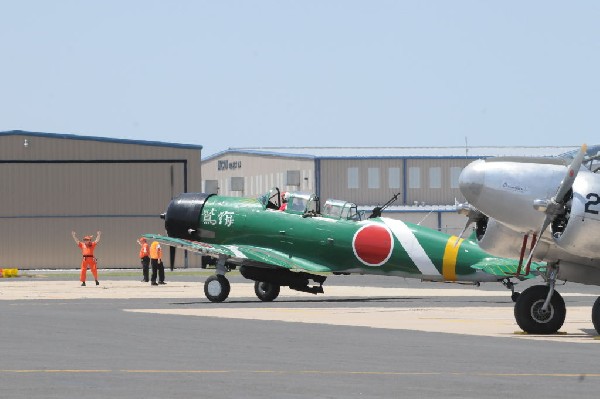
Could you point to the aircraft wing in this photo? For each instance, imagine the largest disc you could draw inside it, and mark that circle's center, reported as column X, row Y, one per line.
column 506, row 268
column 266, row 257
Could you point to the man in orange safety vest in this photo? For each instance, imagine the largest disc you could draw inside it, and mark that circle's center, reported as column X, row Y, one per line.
column 157, row 264
column 144, row 258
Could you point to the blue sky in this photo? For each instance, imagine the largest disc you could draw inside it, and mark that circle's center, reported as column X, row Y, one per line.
column 304, row 73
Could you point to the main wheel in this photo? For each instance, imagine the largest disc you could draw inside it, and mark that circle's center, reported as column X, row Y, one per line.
column 266, row 292
column 596, row 315
column 216, row 288
column 530, row 316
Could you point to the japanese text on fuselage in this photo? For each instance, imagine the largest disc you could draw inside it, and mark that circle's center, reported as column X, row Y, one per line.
column 213, row 218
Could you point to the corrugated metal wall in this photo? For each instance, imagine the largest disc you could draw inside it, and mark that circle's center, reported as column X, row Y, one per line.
column 260, row 173
column 60, row 189
column 443, row 195
column 51, row 186
column 369, row 191
column 334, row 180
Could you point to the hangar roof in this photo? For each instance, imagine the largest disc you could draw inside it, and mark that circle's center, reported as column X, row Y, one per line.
column 103, row 139
column 400, row 152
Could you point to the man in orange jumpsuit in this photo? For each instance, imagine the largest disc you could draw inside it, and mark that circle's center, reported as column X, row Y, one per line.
column 157, row 264
column 87, row 250
column 144, row 258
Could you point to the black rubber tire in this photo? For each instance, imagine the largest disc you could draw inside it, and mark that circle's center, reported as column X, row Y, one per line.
column 216, row 288
column 527, row 311
column 596, row 315
column 266, row 292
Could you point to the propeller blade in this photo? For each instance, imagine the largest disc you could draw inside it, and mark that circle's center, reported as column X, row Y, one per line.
column 172, row 257
column 460, row 236
column 555, row 206
column 463, row 231
column 473, row 215
column 572, row 171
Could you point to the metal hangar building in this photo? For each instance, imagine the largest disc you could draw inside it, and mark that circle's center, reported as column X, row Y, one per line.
column 52, row 184
column 425, row 177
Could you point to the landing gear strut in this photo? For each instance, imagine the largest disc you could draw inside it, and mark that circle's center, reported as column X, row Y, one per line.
column 511, row 286
column 540, row 309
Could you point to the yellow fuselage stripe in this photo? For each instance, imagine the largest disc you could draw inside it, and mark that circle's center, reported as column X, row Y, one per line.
column 450, row 256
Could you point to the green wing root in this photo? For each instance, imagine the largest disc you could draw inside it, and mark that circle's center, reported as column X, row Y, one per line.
column 507, row 268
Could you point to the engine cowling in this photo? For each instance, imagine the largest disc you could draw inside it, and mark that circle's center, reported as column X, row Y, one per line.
column 182, row 218
column 499, row 240
column 578, row 230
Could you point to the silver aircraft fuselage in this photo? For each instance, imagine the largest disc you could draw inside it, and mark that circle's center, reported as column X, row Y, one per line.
column 505, row 190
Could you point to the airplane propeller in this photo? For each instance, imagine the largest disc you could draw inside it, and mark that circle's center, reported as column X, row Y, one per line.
column 472, row 213
column 556, row 205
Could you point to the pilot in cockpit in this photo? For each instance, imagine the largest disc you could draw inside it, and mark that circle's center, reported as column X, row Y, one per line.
column 284, row 201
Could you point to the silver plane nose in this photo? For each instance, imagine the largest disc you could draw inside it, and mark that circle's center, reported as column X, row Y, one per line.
column 471, row 180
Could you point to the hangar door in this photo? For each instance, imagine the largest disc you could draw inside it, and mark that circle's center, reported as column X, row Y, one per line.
column 42, row 202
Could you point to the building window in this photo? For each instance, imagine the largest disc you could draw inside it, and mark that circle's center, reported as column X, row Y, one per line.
column 414, row 177
column 293, row 178
column 435, row 177
column 373, row 178
column 454, row 174
column 352, row 177
column 237, row 184
column 394, row 178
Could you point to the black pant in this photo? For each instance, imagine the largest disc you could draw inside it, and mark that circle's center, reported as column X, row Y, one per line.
column 145, row 267
column 157, row 266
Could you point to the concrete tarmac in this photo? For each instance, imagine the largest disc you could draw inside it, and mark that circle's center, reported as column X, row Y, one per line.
column 367, row 337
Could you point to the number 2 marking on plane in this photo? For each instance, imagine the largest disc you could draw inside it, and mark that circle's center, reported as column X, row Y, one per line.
column 595, row 201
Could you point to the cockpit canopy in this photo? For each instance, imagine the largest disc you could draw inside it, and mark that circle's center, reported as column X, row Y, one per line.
column 591, row 160
column 271, row 200
column 592, row 150
column 309, row 205
column 302, row 203
column 338, row 209
column 297, row 202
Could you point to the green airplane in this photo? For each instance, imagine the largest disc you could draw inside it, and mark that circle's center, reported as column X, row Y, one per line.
column 293, row 247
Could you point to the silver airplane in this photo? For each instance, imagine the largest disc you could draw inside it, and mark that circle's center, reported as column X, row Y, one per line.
column 544, row 209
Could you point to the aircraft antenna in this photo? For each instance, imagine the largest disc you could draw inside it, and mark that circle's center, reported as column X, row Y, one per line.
column 422, row 220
